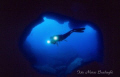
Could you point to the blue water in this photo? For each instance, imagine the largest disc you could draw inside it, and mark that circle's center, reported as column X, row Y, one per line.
column 68, row 55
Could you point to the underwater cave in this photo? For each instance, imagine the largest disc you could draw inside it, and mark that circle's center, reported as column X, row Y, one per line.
column 56, row 44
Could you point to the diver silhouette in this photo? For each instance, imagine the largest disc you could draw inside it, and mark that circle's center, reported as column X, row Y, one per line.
column 57, row 38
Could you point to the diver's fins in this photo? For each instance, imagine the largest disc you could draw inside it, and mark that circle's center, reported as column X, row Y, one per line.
column 78, row 30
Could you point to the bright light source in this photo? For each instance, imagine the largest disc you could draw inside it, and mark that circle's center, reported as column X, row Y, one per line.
column 48, row 41
column 55, row 37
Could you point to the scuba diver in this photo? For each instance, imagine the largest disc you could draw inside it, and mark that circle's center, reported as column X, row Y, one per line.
column 57, row 38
